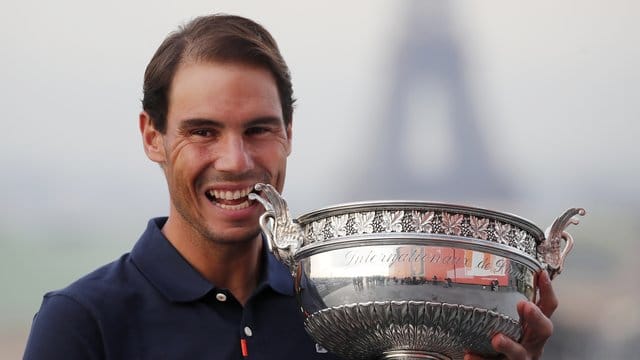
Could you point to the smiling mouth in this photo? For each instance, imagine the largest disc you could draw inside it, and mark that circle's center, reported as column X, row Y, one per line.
column 230, row 200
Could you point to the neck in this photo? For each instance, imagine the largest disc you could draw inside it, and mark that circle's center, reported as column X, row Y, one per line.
column 234, row 265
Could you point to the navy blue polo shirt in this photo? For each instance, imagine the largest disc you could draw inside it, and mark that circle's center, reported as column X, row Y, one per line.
column 152, row 304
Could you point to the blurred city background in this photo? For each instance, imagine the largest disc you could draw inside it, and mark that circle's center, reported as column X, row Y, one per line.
column 523, row 107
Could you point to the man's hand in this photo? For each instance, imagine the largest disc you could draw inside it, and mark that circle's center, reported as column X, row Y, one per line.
column 535, row 323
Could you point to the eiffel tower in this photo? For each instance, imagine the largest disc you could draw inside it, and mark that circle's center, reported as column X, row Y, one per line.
column 429, row 154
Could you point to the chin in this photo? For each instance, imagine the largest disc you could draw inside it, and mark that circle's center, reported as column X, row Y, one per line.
column 234, row 236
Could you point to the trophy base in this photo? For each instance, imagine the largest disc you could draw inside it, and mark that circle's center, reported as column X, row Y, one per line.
column 412, row 355
column 393, row 330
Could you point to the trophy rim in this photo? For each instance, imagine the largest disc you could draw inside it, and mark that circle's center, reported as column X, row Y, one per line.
column 350, row 207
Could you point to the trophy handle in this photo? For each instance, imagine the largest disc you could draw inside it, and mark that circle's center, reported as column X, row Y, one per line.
column 550, row 250
column 284, row 236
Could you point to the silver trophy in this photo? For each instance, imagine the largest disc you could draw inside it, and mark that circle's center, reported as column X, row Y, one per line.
column 411, row 280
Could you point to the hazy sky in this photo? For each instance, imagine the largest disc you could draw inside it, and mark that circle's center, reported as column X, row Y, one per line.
column 552, row 89
column 554, row 86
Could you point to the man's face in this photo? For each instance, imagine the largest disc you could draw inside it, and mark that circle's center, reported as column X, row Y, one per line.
column 225, row 133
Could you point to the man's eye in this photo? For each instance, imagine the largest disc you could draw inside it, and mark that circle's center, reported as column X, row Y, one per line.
column 202, row 132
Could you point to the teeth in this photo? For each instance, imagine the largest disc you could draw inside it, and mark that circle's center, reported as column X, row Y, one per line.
column 229, row 195
column 244, row 204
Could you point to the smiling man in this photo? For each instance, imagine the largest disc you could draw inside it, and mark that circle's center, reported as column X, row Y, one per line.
column 200, row 284
column 225, row 132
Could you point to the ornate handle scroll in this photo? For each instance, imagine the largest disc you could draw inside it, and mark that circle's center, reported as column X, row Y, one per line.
column 551, row 251
column 284, row 236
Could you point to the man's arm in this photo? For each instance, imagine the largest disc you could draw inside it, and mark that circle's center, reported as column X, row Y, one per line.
column 536, row 325
column 63, row 329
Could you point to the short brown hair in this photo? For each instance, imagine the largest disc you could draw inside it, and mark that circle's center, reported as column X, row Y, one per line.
column 217, row 37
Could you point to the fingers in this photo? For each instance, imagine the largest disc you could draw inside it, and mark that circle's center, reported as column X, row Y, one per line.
column 509, row 348
column 536, row 324
column 537, row 329
column 548, row 302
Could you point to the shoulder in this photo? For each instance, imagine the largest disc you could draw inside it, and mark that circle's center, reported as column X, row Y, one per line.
column 111, row 279
column 95, row 294
column 63, row 328
column 70, row 320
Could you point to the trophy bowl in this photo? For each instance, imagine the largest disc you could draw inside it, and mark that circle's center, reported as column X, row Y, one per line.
column 409, row 279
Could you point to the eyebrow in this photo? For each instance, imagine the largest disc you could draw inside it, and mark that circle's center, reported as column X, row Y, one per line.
column 199, row 122
column 191, row 123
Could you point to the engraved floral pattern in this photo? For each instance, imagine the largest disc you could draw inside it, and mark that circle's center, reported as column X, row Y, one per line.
column 340, row 224
column 502, row 231
column 479, row 227
column 417, row 218
column 417, row 221
column 452, row 223
column 422, row 221
column 392, row 221
column 309, row 235
column 318, row 229
column 363, row 222
column 520, row 238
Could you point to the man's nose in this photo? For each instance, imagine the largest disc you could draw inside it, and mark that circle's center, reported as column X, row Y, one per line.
column 233, row 155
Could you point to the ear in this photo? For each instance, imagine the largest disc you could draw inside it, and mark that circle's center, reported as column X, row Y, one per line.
column 289, row 138
column 152, row 139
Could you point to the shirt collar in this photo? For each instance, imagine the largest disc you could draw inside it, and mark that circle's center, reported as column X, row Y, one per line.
column 177, row 280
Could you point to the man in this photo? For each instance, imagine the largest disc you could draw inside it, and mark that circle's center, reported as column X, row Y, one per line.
column 217, row 118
